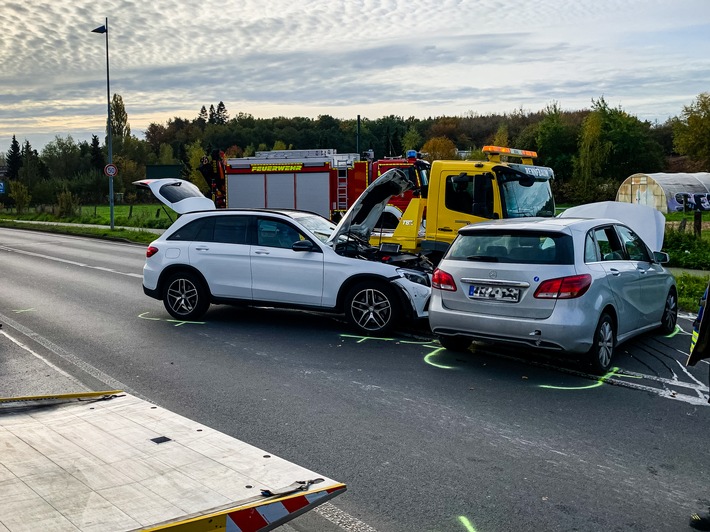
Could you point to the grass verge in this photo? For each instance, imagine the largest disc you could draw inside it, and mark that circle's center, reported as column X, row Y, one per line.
column 121, row 235
column 690, row 290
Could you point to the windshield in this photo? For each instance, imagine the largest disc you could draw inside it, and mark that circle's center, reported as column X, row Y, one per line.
column 317, row 225
column 524, row 196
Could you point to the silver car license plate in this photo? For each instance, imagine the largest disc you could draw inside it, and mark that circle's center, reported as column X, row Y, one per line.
column 494, row 293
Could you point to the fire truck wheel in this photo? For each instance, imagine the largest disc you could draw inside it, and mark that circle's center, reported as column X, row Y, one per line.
column 372, row 307
column 185, row 297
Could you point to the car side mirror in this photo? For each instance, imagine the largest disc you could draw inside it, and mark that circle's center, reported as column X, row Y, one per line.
column 661, row 257
column 302, row 245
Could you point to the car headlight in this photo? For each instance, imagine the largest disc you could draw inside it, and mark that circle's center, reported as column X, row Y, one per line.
column 415, row 276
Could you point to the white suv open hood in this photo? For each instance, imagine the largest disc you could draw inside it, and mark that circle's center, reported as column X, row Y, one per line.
column 363, row 215
column 178, row 194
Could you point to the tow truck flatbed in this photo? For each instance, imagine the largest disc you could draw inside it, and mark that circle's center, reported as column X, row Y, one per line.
column 110, row 461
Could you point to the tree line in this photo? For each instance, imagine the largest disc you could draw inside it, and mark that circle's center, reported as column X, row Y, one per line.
column 591, row 151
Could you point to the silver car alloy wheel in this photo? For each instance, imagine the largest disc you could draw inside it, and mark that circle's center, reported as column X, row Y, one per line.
column 182, row 295
column 371, row 309
column 670, row 313
column 605, row 343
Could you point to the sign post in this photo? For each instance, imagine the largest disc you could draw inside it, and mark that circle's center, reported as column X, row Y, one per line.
column 111, row 171
column 104, row 29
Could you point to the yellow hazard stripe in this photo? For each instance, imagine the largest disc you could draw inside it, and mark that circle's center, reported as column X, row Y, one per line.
column 218, row 520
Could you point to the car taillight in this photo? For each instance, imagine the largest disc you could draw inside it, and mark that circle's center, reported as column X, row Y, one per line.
column 152, row 250
column 443, row 281
column 564, row 287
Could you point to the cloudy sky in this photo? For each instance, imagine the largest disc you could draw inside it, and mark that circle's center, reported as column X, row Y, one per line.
column 344, row 58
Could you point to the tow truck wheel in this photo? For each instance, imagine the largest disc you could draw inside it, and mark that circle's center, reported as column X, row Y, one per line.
column 184, row 297
column 372, row 307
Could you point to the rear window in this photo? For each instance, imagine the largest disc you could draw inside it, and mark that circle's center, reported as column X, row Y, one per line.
column 176, row 192
column 519, row 247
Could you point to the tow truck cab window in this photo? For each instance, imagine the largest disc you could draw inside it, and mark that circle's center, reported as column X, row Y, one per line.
column 470, row 194
column 524, row 195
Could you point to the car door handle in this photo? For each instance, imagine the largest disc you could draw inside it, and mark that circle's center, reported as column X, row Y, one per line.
column 615, row 272
column 641, row 271
column 446, row 229
column 202, row 248
column 261, row 252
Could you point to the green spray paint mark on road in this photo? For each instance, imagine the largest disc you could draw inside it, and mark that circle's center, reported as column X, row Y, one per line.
column 613, row 373
column 675, row 331
column 362, row 339
column 177, row 323
column 595, row 385
column 428, row 359
column 20, row 311
column 466, row 523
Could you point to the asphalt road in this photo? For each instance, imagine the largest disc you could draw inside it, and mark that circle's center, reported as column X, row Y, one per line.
column 495, row 440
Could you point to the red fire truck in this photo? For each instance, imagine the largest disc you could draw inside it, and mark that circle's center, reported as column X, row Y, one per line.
column 318, row 180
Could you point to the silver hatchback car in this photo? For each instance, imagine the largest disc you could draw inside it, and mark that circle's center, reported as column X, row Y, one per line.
column 577, row 285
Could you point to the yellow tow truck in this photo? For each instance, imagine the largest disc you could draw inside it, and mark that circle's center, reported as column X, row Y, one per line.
column 463, row 192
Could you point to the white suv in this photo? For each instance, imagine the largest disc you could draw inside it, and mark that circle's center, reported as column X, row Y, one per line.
column 286, row 258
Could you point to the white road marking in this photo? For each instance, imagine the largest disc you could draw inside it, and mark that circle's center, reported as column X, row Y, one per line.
column 67, row 261
column 344, row 520
column 40, row 357
column 69, row 357
column 701, row 399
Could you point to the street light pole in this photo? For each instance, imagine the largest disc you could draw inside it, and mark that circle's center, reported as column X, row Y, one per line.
column 104, row 29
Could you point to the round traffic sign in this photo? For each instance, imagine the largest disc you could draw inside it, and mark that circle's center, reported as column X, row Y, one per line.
column 110, row 170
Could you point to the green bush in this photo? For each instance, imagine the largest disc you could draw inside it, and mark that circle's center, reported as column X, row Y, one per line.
column 576, row 193
column 68, row 204
column 686, row 250
column 690, row 290
column 20, row 194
